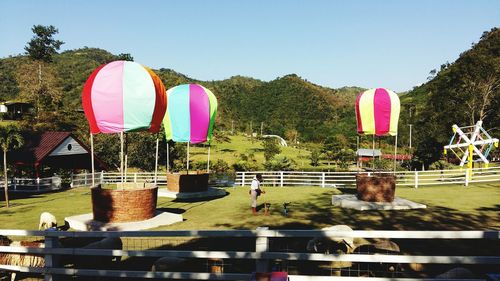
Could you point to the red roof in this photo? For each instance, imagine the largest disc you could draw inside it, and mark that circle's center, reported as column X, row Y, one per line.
column 398, row 156
column 38, row 146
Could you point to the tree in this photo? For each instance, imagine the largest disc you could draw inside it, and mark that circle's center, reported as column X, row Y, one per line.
column 333, row 146
column 271, row 148
column 125, row 56
column 10, row 138
column 314, row 157
column 43, row 46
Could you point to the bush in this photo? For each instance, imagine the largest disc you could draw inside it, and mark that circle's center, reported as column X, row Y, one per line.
column 280, row 163
column 220, row 166
column 199, row 166
column 271, row 148
column 245, row 166
column 314, row 158
column 441, row 165
column 246, row 163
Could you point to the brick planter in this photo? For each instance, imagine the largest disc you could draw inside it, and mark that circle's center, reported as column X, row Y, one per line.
column 187, row 182
column 127, row 205
column 376, row 188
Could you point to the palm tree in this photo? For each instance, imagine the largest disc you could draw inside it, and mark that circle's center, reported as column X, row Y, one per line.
column 10, row 138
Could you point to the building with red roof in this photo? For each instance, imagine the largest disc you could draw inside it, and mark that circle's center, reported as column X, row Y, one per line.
column 55, row 150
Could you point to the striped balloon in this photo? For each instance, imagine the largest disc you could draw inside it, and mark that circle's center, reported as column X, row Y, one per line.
column 190, row 114
column 377, row 112
column 124, row 96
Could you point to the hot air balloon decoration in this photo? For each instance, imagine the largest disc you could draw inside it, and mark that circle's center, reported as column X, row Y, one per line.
column 377, row 114
column 121, row 97
column 190, row 119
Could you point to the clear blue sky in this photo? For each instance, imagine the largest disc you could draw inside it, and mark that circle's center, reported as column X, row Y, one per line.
column 391, row 44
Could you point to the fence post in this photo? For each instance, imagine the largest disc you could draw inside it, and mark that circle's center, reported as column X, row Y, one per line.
column 85, row 176
column 50, row 260
column 261, row 246
column 102, row 177
column 37, row 183
column 416, row 179
column 15, row 184
column 281, row 179
column 135, row 177
column 323, row 179
column 467, row 177
column 369, row 174
column 242, row 178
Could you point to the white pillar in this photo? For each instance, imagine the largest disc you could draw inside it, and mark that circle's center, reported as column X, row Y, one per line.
column 416, row 179
column 261, row 246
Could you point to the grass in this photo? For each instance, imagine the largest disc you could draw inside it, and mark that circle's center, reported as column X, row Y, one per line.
column 238, row 144
column 450, row 207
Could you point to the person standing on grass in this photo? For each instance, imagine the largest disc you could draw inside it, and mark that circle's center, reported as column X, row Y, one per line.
column 255, row 191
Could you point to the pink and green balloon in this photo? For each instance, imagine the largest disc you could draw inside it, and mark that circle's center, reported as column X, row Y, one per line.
column 190, row 114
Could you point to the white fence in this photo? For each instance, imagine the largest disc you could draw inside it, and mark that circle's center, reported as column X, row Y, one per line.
column 264, row 253
column 106, row 177
column 323, row 179
column 339, row 179
column 33, row 185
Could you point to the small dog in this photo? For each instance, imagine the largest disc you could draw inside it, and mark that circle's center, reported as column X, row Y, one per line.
column 267, row 208
column 285, row 208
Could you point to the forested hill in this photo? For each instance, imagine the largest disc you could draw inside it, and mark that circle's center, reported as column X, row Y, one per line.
column 461, row 93
column 288, row 104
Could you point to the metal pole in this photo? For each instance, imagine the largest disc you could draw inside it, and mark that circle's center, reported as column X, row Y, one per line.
column 410, row 135
column 92, row 157
column 126, row 159
column 373, row 152
column 208, row 159
column 168, row 158
column 156, row 158
column 121, row 157
column 395, row 151
column 187, row 157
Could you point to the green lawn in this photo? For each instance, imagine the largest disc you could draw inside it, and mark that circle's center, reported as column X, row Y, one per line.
column 230, row 151
column 452, row 207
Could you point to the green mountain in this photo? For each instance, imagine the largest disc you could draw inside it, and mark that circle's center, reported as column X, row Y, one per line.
column 461, row 93
column 287, row 103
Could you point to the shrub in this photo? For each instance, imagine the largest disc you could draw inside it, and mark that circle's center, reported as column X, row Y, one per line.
column 220, row 166
column 314, row 158
column 280, row 163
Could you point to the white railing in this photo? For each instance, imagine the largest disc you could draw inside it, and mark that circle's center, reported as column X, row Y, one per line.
column 403, row 178
column 110, row 177
column 323, row 179
column 33, row 185
column 264, row 253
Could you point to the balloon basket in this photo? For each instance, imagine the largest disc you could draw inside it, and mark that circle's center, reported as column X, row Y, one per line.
column 125, row 203
column 376, row 188
column 187, row 182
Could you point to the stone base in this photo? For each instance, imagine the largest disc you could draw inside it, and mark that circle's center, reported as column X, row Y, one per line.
column 211, row 192
column 352, row 202
column 86, row 222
